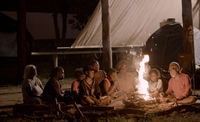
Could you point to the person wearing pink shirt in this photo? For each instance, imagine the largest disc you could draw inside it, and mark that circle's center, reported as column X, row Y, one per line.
column 180, row 85
column 110, row 87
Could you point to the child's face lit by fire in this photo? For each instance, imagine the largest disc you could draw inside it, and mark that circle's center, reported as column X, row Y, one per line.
column 112, row 76
column 96, row 66
column 154, row 77
column 90, row 73
column 81, row 77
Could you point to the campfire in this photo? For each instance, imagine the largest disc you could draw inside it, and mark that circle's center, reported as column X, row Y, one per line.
column 143, row 84
column 141, row 98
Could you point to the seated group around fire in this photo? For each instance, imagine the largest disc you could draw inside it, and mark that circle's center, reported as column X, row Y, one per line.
column 115, row 85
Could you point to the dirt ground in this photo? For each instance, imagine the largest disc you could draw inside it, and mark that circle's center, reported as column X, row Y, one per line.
column 11, row 95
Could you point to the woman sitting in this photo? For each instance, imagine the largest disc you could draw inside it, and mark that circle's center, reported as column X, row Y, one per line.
column 110, row 87
column 32, row 87
column 127, row 80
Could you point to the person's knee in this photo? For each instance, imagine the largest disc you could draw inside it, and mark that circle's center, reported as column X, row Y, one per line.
column 193, row 99
column 188, row 100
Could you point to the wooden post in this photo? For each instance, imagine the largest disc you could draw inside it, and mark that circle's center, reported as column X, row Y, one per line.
column 106, row 39
column 55, row 60
column 57, row 32
column 188, row 38
column 21, row 39
column 64, row 19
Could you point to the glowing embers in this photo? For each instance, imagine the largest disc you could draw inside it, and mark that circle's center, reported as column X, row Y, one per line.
column 143, row 84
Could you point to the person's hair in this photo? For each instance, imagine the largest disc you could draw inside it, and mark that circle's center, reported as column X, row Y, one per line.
column 27, row 70
column 55, row 71
column 120, row 64
column 78, row 72
column 110, row 71
column 154, row 70
column 177, row 65
column 87, row 68
column 93, row 62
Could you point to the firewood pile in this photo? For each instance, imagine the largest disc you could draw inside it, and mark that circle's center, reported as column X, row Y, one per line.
column 150, row 105
column 136, row 105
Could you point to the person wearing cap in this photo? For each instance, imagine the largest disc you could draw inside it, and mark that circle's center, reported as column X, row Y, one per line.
column 180, row 85
column 89, row 90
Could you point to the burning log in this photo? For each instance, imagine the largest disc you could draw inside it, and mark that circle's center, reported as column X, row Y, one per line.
column 150, row 105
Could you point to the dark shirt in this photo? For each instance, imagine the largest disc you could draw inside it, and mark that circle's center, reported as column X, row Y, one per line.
column 92, row 90
column 52, row 90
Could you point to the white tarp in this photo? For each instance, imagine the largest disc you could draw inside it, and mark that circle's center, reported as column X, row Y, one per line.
column 197, row 46
column 132, row 21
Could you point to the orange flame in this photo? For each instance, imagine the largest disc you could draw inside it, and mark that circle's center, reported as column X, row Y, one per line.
column 143, row 84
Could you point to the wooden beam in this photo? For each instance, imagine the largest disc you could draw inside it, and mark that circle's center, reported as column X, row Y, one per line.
column 106, row 35
column 21, row 39
column 75, row 52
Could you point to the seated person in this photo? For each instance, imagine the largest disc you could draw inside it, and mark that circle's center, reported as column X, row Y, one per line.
column 79, row 75
column 127, row 80
column 99, row 75
column 32, row 87
column 52, row 90
column 155, row 84
column 110, row 86
column 180, row 85
column 89, row 90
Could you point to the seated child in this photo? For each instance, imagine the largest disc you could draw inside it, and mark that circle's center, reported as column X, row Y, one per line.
column 89, row 91
column 79, row 75
column 155, row 84
column 110, row 86
column 99, row 75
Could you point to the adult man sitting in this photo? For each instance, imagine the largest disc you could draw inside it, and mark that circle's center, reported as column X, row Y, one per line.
column 180, row 85
column 52, row 90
